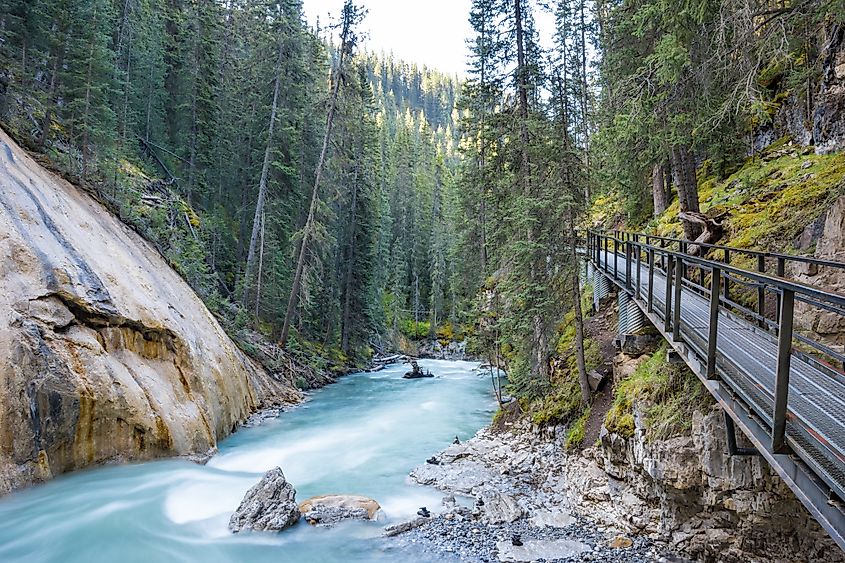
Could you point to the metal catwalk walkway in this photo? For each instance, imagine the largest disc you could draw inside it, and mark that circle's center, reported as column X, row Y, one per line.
column 783, row 390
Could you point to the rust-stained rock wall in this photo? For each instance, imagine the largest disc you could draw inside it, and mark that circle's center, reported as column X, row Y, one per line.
column 105, row 352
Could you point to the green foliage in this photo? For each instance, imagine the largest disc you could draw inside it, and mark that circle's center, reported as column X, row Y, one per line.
column 162, row 109
column 770, row 199
column 667, row 394
column 415, row 330
column 575, row 433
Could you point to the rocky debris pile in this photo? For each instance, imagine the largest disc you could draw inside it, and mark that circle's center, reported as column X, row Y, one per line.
column 269, row 506
column 682, row 495
column 328, row 510
column 466, row 539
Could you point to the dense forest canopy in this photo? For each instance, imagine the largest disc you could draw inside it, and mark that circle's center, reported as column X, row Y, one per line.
column 341, row 201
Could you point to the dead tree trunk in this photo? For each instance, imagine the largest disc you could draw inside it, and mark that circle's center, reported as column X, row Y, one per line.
column 262, row 184
column 350, row 265
column 658, row 188
column 683, row 175
column 583, row 379
column 307, row 232
column 711, row 229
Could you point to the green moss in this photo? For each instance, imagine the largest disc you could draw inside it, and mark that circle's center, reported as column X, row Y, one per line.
column 561, row 404
column 575, row 434
column 669, row 395
column 620, row 419
column 769, row 200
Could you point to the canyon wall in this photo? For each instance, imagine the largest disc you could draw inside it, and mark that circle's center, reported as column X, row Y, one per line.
column 106, row 353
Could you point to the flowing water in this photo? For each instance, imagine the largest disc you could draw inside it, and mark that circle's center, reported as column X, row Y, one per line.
column 359, row 436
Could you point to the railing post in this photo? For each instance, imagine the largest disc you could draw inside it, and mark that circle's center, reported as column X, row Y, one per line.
column 650, row 280
column 713, row 329
column 781, row 271
column 639, row 262
column 628, row 265
column 679, row 284
column 761, row 292
column 615, row 256
column 782, row 373
column 727, row 263
column 667, row 317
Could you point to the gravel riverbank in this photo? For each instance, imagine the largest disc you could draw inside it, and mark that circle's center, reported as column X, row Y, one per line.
column 509, row 507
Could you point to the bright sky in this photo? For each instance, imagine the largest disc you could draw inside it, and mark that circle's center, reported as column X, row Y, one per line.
column 430, row 32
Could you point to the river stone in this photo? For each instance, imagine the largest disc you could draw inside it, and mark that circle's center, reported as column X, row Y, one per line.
column 269, row 506
column 551, row 519
column 328, row 510
column 535, row 550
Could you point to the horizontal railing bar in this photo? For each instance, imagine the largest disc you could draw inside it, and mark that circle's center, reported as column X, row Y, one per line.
column 780, row 283
column 748, row 251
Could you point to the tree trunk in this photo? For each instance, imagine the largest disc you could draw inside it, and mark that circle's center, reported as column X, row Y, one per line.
column 658, row 188
column 523, row 93
column 315, row 192
column 260, row 271
column 350, row 263
column 583, row 379
column 585, row 125
column 262, row 184
column 683, row 175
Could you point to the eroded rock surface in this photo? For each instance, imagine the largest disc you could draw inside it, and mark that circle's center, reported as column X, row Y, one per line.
column 327, row 510
column 105, row 352
column 684, row 493
column 269, row 506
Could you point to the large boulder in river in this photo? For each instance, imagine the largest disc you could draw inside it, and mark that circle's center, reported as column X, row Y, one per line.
column 327, row 510
column 106, row 353
column 269, row 506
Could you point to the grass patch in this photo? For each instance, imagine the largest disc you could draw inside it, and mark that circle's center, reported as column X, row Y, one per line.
column 576, row 432
column 669, row 394
column 769, row 200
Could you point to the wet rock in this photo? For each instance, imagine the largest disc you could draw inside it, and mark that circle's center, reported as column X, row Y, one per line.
column 829, row 114
column 621, row 542
column 328, row 510
column 552, row 518
column 403, row 527
column 268, row 506
column 535, row 550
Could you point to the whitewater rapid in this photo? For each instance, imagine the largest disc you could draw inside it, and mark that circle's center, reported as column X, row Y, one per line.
column 361, row 435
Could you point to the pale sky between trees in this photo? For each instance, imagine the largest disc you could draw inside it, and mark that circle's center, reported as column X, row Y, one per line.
column 432, row 32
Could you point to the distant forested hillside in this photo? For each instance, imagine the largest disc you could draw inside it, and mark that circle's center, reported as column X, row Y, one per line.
column 201, row 123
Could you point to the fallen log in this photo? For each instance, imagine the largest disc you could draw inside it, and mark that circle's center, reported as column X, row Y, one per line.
column 712, row 229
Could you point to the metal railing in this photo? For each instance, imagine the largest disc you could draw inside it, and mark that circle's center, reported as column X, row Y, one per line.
column 715, row 280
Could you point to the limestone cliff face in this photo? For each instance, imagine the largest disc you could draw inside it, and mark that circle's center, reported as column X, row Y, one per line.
column 105, row 352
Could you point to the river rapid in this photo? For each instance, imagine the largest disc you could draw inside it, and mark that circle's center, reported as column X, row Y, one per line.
column 361, row 435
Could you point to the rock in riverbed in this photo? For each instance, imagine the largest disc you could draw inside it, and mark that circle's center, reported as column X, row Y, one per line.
column 268, row 506
column 328, row 510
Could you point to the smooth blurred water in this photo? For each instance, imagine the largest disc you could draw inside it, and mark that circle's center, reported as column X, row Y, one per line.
column 359, row 436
